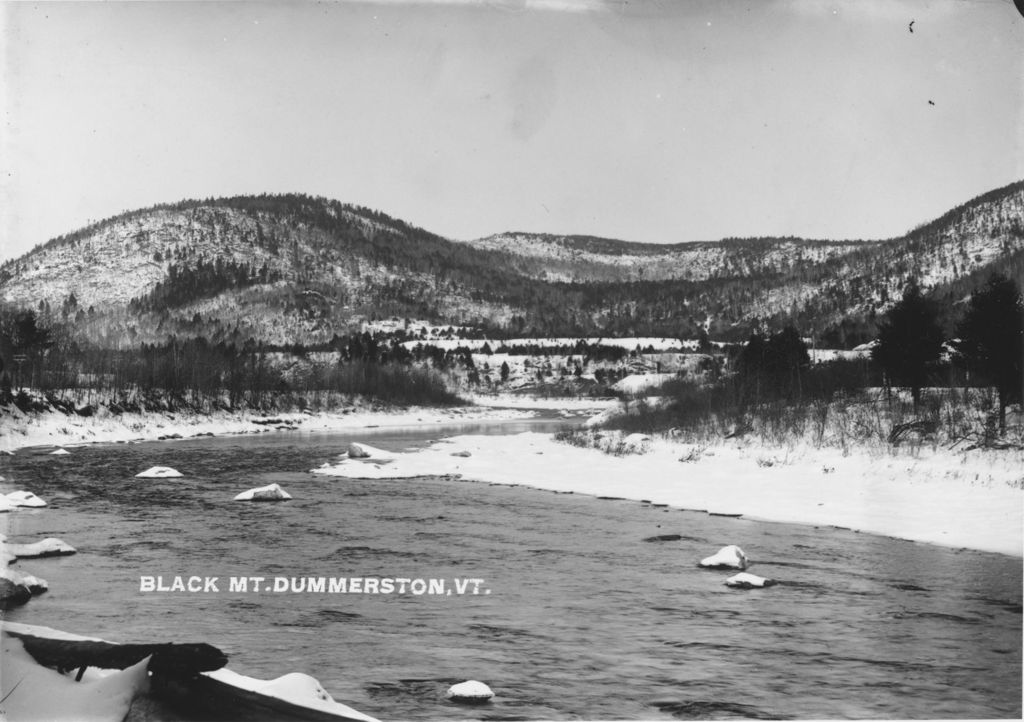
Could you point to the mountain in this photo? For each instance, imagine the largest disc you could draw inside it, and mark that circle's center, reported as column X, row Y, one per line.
column 285, row 269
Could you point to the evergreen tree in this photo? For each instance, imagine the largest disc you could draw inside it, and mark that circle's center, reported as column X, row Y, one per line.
column 991, row 339
column 909, row 342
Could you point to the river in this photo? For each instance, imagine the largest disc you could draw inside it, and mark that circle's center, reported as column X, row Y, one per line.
column 579, row 614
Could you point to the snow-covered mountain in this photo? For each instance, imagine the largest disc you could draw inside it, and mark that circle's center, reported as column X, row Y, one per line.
column 296, row 269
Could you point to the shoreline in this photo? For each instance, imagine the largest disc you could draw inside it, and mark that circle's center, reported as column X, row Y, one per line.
column 957, row 499
column 20, row 430
column 970, row 500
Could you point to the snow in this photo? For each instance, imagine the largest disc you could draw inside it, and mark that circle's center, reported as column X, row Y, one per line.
column 270, row 492
column 745, row 580
column 635, row 383
column 297, row 688
column 24, row 498
column 365, row 451
column 730, row 557
column 34, row 584
column 59, row 452
column 658, row 343
column 20, row 430
column 550, row 403
column 469, row 691
column 49, row 547
column 34, row 692
column 158, row 472
column 954, row 498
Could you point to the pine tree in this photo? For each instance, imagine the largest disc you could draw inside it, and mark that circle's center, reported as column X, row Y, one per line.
column 909, row 342
column 991, row 340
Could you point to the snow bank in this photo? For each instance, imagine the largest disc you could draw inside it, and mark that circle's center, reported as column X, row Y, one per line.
column 635, row 383
column 19, row 430
column 32, row 692
column 296, row 688
column 959, row 499
column 270, row 492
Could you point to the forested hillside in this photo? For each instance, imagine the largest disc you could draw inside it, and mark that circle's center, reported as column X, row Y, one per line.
column 288, row 269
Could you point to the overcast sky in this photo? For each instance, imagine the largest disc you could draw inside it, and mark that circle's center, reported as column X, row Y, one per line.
column 647, row 121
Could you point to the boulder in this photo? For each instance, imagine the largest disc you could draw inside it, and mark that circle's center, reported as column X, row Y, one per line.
column 365, row 451
column 730, row 557
column 470, row 691
column 270, row 492
column 24, row 498
column 34, row 584
column 159, row 472
column 745, row 580
column 12, row 594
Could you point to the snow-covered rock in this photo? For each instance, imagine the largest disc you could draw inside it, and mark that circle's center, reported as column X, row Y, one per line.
column 729, row 557
column 49, row 547
column 270, row 492
column 357, row 450
column 159, row 472
column 24, row 498
column 34, row 584
column 297, row 688
column 5, row 504
column 745, row 580
column 12, row 594
column 470, row 691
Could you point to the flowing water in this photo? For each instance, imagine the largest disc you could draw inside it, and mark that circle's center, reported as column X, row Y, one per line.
column 583, row 611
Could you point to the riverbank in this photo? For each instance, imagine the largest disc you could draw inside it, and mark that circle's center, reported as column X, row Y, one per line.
column 969, row 499
column 20, row 429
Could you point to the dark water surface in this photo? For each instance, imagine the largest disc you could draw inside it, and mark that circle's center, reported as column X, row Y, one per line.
column 584, row 619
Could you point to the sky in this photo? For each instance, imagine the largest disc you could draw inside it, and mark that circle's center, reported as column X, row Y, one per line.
column 647, row 120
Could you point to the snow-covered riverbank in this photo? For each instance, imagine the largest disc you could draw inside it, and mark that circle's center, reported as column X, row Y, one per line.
column 967, row 499
column 52, row 428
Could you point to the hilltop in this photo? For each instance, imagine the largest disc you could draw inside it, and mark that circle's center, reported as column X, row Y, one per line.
column 287, row 269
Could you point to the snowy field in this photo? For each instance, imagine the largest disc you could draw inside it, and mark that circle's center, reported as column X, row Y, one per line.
column 956, row 499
